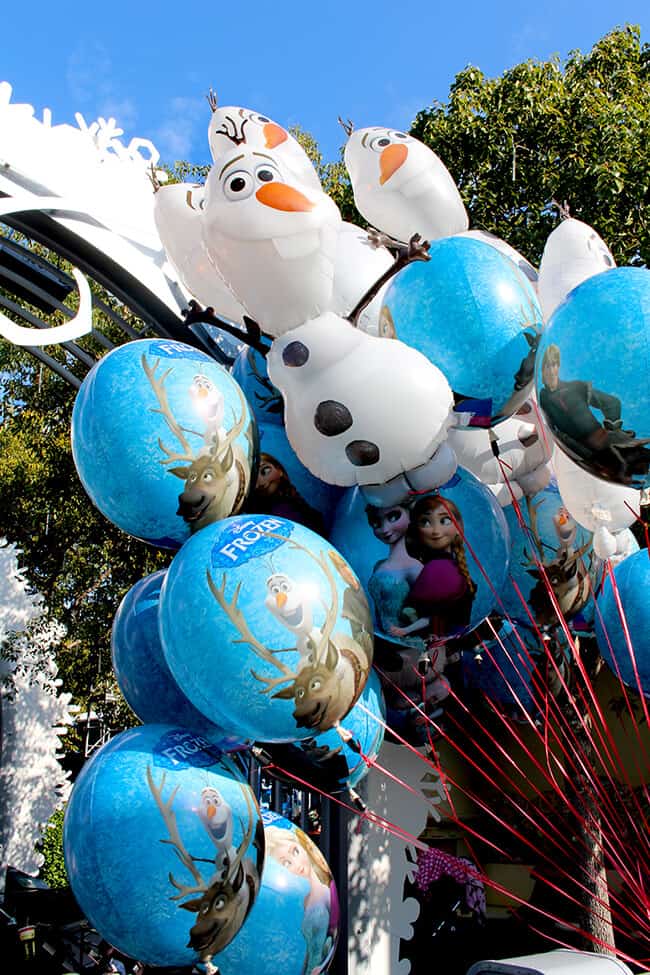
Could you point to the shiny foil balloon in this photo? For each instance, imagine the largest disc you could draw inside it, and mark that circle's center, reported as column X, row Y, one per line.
column 475, row 315
column 141, row 670
column 271, row 237
column 325, row 761
column 592, row 375
column 285, row 488
column 163, row 440
column 294, row 925
column 572, row 253
column 423, row 562
column 177, row 212
column 233, row 126
column 632, row 582
column 553, row 538
column 266, row 628
column 164, row 845
column 401, row 186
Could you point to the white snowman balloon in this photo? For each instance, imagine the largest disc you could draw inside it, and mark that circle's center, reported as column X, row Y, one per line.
column 177, row 213
column 271, row 238
column 401, row 186
column 573, row 252
column 232, row 126
column 358, row 409
column 359, row 263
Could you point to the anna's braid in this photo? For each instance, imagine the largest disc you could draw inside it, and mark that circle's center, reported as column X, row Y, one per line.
column 458, row 547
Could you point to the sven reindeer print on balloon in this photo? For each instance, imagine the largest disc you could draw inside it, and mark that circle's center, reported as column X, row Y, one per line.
column 217, row 472
column 223, row 902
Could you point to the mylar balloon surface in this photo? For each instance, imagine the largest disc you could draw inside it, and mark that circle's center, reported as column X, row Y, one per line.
column 285, row 488
column 294, row 924
column 358, row 409
column 266, row 628
column 475, row 315
column 177, row 212
column 592, row 501
column 505, row 248
column 232, row 126
column 359, row 264
column 164, row 845
column 632, row 581
column 553, row 538
column 272, row 238
column 401, row 187
column 163, row 440
column 572, row 253
column 592, row 376
column 141, row 670
column 325, row 761
column 421, row 561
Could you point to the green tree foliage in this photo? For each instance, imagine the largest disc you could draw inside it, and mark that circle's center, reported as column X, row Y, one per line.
column 53, row 871
column 78, row 560
column 575, row 132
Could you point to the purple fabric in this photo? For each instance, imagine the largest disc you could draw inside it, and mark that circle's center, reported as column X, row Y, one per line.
column 439, row 582
column 432, row 864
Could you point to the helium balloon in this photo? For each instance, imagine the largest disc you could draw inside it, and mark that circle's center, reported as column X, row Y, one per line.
column 241, row 126
column 272, row 239
column 141, row 670
column 285, row 488
column 164, row 845
column 162, row 439
column 265, row 628
column 359, row 264
column 422, row 562
column 177, row 212
column 501, row 245
column 401, row 186
column 473, row 313
column 354, row 404
column 573, row 253
column 294, row 924
column 592, row 380
column 632, row 580
column 325, row 761
column 554, row 539
column 250, row 371
column 513, row 459
column 502, row 671
column 595, row 503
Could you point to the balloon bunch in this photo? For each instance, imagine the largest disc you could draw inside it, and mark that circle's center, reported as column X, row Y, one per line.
column 386, row 402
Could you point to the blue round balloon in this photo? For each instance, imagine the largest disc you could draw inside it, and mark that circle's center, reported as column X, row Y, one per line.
column 502, row 671
column 266, row 628
column 328, row 763
column 294, row 924
column 163, row 440
column 552, row 537
column 265, row 399
column 633, row 584
column 424, row 562
column 592, row 375
column 141, row 670
column 473, row 313
column 285, row 488
column 164, row 845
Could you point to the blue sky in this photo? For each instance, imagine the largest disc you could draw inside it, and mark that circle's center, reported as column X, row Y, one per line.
column 378, row 63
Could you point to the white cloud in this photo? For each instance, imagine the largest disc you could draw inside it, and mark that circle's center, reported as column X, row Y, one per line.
column 183, row 121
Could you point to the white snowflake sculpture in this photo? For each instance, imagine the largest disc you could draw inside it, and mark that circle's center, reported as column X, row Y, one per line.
column 34, row 717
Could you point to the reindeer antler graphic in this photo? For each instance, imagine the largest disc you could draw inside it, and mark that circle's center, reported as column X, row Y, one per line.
column 169, row 818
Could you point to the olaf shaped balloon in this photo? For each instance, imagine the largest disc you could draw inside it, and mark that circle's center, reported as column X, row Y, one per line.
column 572, row 253
column 241, row 126
column 359, row 409
column 272, row 238
column 177, row 213
column 401, row 186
